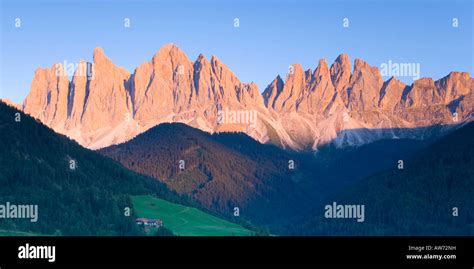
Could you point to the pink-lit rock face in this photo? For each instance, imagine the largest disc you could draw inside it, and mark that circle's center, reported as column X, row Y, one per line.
column 302, row 111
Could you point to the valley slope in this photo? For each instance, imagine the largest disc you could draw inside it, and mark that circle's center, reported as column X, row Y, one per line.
column 269, row 186
column 77, row 191
column 220, row 171
column 432, row 195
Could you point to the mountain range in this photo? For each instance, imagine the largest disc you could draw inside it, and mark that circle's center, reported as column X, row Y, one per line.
column 104, row 104
column 227, row 170
column 221, row 145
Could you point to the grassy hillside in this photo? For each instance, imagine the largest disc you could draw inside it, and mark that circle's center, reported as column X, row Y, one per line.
column 228, row 170
column 87, row 200
column 221, row 171
column 183, row 220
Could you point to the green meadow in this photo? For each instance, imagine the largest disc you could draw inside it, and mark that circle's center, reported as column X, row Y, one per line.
column 183, row 220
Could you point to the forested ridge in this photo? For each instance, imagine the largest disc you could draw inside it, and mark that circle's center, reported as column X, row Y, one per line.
column 220, row 171
column 35, row 165
column 431, row 195
column 228, row 170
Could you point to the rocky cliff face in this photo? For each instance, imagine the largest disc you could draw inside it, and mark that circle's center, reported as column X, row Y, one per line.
column 107, row 105
column 48, row 97
column 355, row 107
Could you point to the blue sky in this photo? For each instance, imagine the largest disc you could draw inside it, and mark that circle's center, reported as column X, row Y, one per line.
column 272, row 34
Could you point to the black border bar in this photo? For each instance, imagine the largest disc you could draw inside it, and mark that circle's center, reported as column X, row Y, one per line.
column 239, row 250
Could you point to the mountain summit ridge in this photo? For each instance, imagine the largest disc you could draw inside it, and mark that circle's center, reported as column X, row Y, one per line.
column 301, row 112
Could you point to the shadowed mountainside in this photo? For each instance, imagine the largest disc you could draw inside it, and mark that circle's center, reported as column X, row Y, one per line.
column 417, row 200
column 251, row 176
column 88, row 200
column 227, row 170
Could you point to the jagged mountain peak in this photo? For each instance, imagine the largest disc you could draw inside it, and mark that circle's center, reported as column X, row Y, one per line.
column 215, row 60
column 391, row 94
column 222, row 71
column 341, row 63
column 99, row 52
column 322, row 63
column 101, row 60
column 201, row 57
column 342, row 58
column 295, row 71
column 340, row 74
column 272, row 91
column 307, row 108
column 359, row 64
column 170, row 53
column 322, row 69
column 424, row 81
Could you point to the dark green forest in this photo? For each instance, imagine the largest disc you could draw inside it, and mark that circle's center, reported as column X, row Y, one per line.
column 88, row 200
column 417, row 200
column 228, row 170
column 221, row 171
